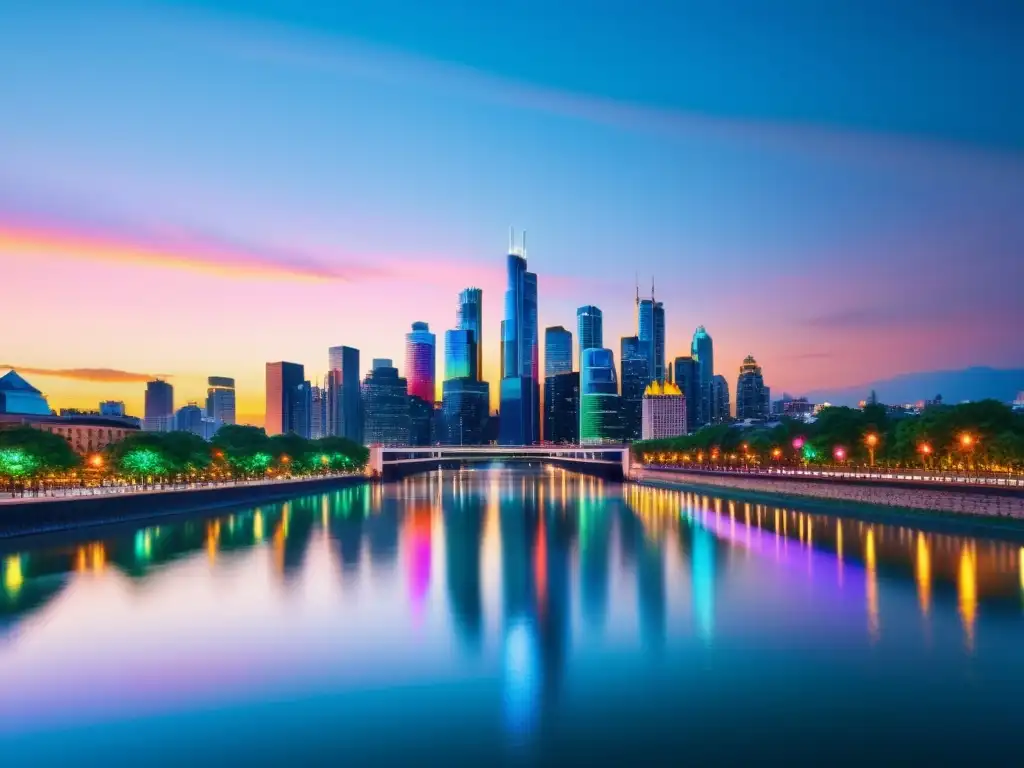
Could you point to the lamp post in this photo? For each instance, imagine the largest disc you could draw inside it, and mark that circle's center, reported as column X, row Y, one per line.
column 839, row 453
column 926, row 451
column 872, row 442
column 967, row 442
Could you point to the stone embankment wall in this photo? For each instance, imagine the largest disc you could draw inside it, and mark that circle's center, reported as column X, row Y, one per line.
column 975, row 501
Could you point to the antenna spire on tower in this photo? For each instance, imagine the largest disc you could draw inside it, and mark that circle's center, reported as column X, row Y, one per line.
column 652, row 288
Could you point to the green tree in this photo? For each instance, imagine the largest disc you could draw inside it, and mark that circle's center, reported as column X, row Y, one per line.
column 27, row 453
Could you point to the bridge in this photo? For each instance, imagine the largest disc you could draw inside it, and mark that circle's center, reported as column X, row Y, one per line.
column 387, row 463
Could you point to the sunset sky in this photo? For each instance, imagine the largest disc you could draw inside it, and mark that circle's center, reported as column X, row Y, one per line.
column 197, row 188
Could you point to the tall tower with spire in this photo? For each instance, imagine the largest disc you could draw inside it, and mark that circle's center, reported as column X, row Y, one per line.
column 520, row 377
column 650, row 331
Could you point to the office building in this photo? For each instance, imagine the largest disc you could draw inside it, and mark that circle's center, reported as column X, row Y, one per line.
column 318, row 412
column 702, row 350
column 17, row 396
column 600, row 418
column 557, row 351
column 189, row 418
column 113, row 408
column 421, row 421
column 86, row 434
column 460, row 358
column 719, row 408
column 471, row 318
column 420, row 361
column 562, row 408
column 686, row 374
column 520, row 387
column 650, row 316
column 464, row 409
column 302, row 410
column 220, row 399
column 284, row 386
column 634, row 378
column 664, row 411
column 751, row 393
column 344, row 403
column 159, row 410
column 589, row 330
column 385, row 405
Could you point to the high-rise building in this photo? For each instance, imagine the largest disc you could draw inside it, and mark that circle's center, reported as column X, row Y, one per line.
column 664, row 411
column 686, row 374
column 220, row 399
column 557, row 351
column 159, row 415
column 719, row 410
column 520, row 387
column 284, row 387
column 420, row 361
column 562, row 408
column 343, row 395
column 465, row 411
column 634, row 378
column 386, row 405
column 600, row 417
column 471, row 318
column 189, row 418
column 589, row 330
column 751, row 398
column 460, row 358
column 703, row 351
column 317, row 412
column 302, row 410
column 650, row 317
column 421, row 421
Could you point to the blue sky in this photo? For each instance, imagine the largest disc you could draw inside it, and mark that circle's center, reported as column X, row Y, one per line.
column 800, row 177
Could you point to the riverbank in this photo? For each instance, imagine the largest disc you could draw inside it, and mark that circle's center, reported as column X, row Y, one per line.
column 32, row 516
column 968, row 503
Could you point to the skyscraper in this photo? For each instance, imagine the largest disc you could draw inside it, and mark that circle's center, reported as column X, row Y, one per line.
column 460, row 355
column 421, row 421
column 562, row 408
column 318, row 412
column 159, row 415
column 420, row 361
column 343, row 406
column 220, row 399
column 465, row 411
column 189, row 418
column 751, row 399
column 284, row 387
column 687, row 378
column 471, row 318
column 703, row 351
column 664, row 411
column 719, row 410
column 634, row 378
column 600, row 419
column 386, row 405
column 650, row 321
column 557, row 351
column 520, row 389
column 589, row 329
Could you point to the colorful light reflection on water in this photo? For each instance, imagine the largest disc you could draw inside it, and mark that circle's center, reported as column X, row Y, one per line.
column 507, row 612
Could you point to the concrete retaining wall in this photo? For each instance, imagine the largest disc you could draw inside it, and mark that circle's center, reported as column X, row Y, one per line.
column 973, row 501
column 64, row 513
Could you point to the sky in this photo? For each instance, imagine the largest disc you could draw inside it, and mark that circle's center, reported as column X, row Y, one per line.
column 197, row 188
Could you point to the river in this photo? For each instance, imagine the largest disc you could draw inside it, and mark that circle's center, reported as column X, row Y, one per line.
column 511, row 615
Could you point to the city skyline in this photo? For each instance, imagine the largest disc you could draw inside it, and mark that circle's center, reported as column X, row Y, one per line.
column 828, row 207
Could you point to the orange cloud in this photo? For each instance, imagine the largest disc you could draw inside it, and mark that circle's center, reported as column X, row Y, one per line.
column 180, row 251
column 88, row 374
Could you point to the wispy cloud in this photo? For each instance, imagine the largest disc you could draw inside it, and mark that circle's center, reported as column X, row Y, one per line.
column 106, row 375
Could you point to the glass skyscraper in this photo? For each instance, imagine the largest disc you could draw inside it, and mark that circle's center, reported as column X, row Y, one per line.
column 421, row 421
column 386, row 405
column 465, row 407
column 220, row 399
column 520, row 389
column 703, row 351
column 460, row 355
column 284, row 387
column 651, row 333
column 471, row 318
column 557, row 351
column 751, row 393
column 634, row 376
column 719, row 410
column 344, row 404
column 159, row 413
column 589, row 329
column 420, row 357
column 600, row 419
column 562, row 408
column 687, row 378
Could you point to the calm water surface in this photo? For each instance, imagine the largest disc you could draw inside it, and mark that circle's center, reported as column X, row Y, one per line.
column 516, row 616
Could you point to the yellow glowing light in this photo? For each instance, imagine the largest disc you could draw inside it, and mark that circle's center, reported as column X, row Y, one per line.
column 13, row 575
column 871, row 440
column 967, row 586
column 966, row 440
column 96, row 461
column 923, row 572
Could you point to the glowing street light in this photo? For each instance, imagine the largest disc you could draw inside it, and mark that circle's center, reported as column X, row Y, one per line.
column 840, row 453
column 96, row 461
column 776, row 453
column 798, row 443
column 872, row 441
column 967, row 440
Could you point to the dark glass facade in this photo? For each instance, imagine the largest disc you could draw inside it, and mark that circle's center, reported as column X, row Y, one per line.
column 284, row 382
column 159, row 413
column 589, row 329
column 600, row 404
column 344, row 400
column 557, row 351
column 651, row 335
column 421, row 421
column 562, row 408
column 385, row 405
column 465, row 411
column 220, row 399
column 687, row 378
column 720, row 408
column 751, row 394
column 702, row 349
column 634, row 377
column 520, row 391
column 460, row 355
column 471, row 318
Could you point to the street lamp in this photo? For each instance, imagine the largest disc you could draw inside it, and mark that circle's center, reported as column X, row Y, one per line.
column 96, row 461
column 926, row 451
column 839, row 453
column 967, row 442
column 872, row 442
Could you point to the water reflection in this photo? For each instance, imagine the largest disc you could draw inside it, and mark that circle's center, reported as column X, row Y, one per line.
column 527, row 576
